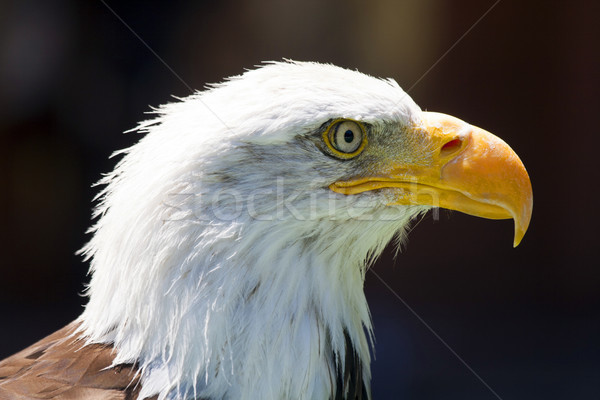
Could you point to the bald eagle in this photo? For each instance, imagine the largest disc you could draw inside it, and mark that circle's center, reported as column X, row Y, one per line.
column 230, row 246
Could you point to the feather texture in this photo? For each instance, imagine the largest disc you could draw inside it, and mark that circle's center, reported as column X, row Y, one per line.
column 61, row 367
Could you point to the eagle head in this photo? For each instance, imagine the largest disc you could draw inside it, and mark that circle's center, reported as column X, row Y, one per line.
column 229, row 253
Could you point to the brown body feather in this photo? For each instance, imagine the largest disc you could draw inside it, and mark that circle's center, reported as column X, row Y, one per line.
column 61, row 367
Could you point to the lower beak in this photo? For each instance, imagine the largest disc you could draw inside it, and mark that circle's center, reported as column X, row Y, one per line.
column 471, row 171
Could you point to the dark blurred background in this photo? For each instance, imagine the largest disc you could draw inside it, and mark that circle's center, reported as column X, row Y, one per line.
column 527, row 320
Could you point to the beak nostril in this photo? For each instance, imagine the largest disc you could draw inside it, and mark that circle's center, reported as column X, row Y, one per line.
column 451, row 147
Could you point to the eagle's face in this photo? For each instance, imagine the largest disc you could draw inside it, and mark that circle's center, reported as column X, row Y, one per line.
column 331, row 143
column 232, row 240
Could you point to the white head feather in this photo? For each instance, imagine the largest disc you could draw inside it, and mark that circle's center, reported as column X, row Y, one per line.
column 221, row 261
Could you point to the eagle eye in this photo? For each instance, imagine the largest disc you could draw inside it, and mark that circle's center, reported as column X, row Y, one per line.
column 345, row 138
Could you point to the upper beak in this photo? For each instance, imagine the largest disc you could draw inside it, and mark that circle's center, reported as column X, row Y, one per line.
column 471, row 171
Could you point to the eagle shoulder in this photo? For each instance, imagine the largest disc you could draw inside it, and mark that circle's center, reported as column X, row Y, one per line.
column 61, row 366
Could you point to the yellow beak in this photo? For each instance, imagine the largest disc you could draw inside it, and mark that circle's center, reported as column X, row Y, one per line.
column 471, row 171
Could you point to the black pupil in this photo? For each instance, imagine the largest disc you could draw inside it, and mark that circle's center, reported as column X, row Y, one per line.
column 349, row 136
